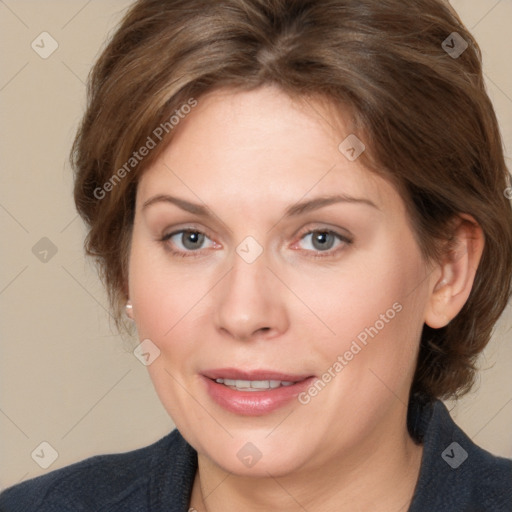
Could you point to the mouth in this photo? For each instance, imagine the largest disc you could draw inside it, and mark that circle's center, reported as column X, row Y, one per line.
column 254, row 385
column 253, row 393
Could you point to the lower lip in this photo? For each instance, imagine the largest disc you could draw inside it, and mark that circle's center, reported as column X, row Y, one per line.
column 254, row 403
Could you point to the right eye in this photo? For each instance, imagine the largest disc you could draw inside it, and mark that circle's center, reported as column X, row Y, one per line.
column 187, row 241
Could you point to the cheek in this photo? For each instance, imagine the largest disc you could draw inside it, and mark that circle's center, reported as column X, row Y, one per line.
column 165, row 297
column 375, row 310
column 165, row 310
column 376, row 291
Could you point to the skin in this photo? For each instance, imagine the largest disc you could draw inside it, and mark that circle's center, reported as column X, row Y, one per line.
column 248, row 156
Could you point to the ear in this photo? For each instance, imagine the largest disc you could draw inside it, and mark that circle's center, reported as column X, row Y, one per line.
column 453, row 277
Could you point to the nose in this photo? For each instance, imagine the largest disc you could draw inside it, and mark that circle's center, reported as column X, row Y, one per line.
column 250, row 302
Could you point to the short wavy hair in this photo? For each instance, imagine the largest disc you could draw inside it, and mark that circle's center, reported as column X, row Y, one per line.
column 415, row 93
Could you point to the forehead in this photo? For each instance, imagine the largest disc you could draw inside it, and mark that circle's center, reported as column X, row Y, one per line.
column 260, row 143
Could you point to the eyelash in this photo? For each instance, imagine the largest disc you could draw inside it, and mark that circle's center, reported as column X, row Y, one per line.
column 346, row 241
column 182, row 254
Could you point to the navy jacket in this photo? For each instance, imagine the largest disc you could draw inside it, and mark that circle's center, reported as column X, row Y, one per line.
column 455, row 476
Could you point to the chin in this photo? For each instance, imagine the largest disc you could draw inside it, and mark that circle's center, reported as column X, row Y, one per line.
column 254, row 456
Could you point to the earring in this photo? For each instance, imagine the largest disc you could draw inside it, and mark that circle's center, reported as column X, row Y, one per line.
column 129, row 310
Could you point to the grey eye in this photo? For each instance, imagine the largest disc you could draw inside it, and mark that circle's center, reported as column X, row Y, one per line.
column 192, row 239
column 322, row 240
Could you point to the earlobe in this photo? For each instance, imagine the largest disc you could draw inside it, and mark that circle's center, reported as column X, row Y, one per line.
column 452, row 287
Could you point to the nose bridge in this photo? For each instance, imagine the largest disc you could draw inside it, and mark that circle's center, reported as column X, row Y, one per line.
column 248, row 300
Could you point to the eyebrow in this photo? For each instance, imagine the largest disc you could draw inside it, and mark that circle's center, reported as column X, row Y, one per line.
column 293, row 210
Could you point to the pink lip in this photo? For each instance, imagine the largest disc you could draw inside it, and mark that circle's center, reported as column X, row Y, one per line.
column 253, row 403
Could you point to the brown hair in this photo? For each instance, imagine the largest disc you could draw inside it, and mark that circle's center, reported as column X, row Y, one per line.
column 422, row 111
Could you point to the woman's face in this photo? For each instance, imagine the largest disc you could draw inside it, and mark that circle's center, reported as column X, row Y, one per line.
column 262, row 253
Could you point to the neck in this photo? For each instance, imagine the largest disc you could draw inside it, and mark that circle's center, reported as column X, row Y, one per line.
column 379, row 476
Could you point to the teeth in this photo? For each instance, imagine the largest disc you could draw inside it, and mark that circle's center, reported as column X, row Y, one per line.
column 253, row 385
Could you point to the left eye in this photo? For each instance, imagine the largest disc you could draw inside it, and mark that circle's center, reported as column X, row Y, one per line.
column 323, row 240
column 187, row 240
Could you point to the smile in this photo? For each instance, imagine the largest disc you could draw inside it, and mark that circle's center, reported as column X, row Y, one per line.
column 253, row 385
column 254, row 392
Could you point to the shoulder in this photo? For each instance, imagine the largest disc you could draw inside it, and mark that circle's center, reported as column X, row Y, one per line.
column 456, row 474
column 112, row 482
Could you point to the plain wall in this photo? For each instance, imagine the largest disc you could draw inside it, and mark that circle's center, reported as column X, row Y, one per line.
column 66, row 377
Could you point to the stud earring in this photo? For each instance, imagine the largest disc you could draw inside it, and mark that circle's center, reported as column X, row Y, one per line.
column 129, row 310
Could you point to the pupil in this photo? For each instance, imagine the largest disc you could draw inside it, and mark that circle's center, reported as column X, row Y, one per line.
column 322, row 240
column 192, row 239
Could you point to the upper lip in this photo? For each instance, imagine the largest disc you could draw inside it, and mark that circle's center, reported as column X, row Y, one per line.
column 237, row 374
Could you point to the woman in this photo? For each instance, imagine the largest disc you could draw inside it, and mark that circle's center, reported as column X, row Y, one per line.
column 302, row 207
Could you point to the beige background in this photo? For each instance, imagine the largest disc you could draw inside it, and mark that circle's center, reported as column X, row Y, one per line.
column 66, row 378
